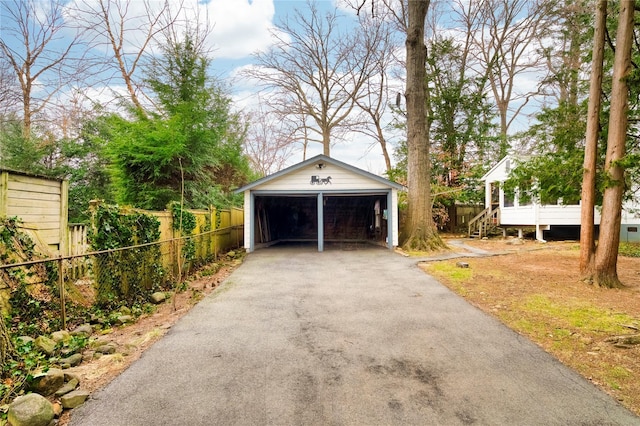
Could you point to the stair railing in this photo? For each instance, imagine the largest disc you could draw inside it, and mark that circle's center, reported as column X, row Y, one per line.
column 484, row 222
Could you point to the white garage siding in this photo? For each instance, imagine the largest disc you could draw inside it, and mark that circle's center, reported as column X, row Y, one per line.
column 340, row 179
column 326, row 179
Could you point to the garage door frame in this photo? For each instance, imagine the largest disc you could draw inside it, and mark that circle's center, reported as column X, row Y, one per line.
column 320, row 194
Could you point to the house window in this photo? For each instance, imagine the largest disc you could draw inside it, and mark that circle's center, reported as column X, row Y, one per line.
column 509, row 198
column 495, row 195
column 525, row 198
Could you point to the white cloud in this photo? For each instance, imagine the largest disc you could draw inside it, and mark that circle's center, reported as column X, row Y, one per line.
column 237, row 28
column 130, row 17
column 240, row 27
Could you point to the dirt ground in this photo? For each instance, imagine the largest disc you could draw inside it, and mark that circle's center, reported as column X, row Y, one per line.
column 133, row 339
column 535, row 289
column 498, row 285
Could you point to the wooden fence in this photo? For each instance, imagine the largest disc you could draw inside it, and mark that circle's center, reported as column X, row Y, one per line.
column 216, row 231
column 77, row 244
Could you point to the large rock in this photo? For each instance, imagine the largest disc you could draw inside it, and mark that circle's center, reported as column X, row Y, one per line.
column 48, row 383
column 74, row 399
column 30, row 410
column 68, row 387
column 61, row 336
column 158, row 297
column 625, row 342
column 109, row 348
column 46, row 345
column 82, row 330
column 124, row 319
column 71, row 361
column 95, row 319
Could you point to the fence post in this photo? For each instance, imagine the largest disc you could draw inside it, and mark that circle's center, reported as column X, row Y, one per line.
column 234, row 223
column 63, row 308
column 214, row 235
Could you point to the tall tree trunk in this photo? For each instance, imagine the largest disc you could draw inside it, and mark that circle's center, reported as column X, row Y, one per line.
column 26, row 118
column 383, row 146
column 326, row 142
column 606, row 257
column 587, row 239
column 503, row 110
column 421, row 232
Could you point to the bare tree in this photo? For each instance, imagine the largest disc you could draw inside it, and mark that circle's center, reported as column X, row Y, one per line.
column 606, row 256
column 38, row 48
column 587, row 237
column 9, row 90
column 375, row 98
column 127, row 30
column 316, row 67
column 506, row 33
column 268, row 143
column 294, row 120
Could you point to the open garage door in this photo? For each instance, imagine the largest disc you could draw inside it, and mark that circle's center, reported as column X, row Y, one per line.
column 343, row 218
column 286, row 218
column 359, row 218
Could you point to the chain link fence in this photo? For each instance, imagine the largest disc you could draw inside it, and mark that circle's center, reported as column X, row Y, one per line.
column 58, row 292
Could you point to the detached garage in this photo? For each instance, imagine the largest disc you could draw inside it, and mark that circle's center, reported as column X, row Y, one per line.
column 320, row 200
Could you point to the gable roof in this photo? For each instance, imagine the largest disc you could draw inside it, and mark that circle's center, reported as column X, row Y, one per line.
column 495, row 167
column 514, row 159
column 316, row 160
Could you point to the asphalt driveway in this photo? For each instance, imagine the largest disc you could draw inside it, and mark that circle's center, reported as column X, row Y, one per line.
column 344, row 337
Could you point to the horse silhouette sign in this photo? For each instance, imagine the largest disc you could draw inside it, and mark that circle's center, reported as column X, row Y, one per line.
column 317, row 180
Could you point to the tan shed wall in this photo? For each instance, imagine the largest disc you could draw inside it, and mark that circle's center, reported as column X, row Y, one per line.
column 41, row 205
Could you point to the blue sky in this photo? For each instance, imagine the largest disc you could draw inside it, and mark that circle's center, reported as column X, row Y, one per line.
column 233, row 45
column 239, row 28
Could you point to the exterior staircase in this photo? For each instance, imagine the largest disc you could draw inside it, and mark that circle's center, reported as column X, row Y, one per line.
column 484, row 223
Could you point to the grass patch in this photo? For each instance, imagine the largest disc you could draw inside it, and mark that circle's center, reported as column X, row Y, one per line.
column 629, row 249
column 615, row 375
column 454, row 273
column 577, row 316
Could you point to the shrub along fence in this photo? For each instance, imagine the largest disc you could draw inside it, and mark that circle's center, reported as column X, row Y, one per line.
column 134, row 253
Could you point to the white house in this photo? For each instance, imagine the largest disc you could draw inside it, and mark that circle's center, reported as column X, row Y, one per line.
column 501, row 210
column 320, row 199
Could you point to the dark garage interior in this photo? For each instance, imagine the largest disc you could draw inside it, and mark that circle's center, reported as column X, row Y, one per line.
column 347, row 218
